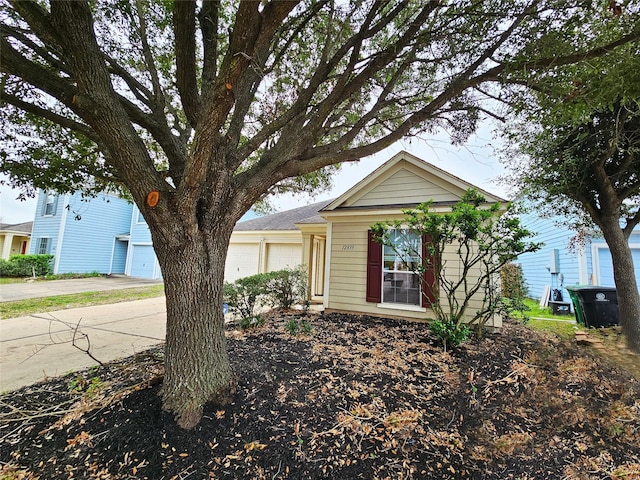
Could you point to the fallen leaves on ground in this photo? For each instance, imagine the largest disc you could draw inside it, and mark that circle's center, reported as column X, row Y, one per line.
column 358, row 398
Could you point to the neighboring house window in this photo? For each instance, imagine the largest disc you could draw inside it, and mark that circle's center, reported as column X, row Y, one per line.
column 50, row 203
column 43, row 246
column 390, row 270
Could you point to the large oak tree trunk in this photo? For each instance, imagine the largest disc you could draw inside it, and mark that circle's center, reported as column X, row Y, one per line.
column 626, row 285
column 197, row 368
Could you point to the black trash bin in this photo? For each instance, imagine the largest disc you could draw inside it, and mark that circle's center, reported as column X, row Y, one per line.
column 599, row 305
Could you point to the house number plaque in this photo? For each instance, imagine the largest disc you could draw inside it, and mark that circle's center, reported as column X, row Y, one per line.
column 348, row 246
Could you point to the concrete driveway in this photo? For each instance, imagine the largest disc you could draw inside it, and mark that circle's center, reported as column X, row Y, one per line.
column 38, row 346
column 37, row 289
column 43, row 345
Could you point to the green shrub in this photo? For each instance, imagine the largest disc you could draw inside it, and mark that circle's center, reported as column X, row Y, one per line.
column 449, row 332
column 252, row 321
column 295, row 326
column 512, row 282
column 288, row 286
column 514, row 291
column 246, row 293
column 26, row 266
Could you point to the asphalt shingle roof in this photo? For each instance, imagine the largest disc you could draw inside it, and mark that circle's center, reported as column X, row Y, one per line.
column 285, row 220
column 25, row 227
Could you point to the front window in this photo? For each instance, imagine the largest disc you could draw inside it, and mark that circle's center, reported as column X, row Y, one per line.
column 401, row 263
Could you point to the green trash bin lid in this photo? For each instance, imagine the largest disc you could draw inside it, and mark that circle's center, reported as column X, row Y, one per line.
column 573, row 294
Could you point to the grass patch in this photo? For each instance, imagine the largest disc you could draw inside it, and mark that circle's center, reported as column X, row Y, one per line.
column 60, row 276
column 565, row 330
column 536, row 311
column 19, row 308
column 541, row 319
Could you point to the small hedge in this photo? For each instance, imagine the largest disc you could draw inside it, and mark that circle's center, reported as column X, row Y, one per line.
column 26, row 266
column 282, row 288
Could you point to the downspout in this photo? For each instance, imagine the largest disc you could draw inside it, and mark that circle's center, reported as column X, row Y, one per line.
column 327, row 265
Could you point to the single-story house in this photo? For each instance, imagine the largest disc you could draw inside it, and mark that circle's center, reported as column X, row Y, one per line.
column 347, row 271
column 563, row 262
column 14, row 239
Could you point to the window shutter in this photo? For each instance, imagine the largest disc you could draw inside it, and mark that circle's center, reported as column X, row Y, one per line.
column 429, row 277
column 374, row 269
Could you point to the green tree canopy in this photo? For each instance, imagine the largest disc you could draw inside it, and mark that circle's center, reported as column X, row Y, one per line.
column 575, row 151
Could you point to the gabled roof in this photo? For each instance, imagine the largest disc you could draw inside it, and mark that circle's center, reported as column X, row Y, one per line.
column 400, row 168
column 284, row 220
column 24, row 227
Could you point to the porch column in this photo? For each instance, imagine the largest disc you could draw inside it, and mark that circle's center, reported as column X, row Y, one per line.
column 6, row 247
column 307, row 257
column 262, row 255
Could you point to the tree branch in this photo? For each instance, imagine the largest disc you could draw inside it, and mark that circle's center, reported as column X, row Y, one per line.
column 39, row 20
column 184, row 29
column 208, row 19
column 14, row 63
column 51, row 116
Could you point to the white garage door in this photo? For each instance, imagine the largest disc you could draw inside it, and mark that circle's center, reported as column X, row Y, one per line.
column 242, row 261
column 282, row 255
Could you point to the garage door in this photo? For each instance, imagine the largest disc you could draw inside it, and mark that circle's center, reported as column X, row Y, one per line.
column 242, row 261
column 606, row 266
column 282, row 255
column 144, row 263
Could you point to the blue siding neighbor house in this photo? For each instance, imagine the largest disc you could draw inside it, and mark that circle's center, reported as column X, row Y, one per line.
column 557, row 266
column 84, row 234
column 105, row 234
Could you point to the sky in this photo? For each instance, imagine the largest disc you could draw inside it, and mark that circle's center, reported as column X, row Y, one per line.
column 474, row 162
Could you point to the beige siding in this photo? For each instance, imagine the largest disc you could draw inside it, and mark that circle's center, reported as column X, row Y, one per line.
column 347, row 280
column 405, row 187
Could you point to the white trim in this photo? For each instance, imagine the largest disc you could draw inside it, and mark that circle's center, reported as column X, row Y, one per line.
column 113, row 249
column 595, row 259
column 138, row 216
column 63, row 224
column 402, row 307
column 327, row 266
column 595, row 262
column 387, row 166
column 583, row 271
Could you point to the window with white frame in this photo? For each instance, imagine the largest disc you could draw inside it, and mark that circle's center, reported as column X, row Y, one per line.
column 401, row 260
column 50, row 203
column 43, row 246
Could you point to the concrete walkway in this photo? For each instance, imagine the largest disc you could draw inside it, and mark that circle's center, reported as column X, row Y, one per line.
column 36, row 289
column 38, row 346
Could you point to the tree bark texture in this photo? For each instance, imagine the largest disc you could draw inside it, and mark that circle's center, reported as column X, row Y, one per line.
column 625, row 280
column 197, row 368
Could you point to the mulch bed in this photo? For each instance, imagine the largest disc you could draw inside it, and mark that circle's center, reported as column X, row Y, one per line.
column 358, row 398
